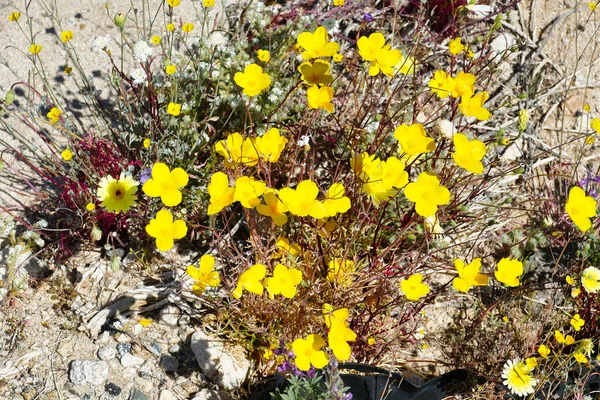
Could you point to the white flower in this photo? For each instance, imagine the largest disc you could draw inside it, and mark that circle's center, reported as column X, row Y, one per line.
column 420, row 333
column 215, row 74
column 445, row 128
column 517, row 376
column 331, row 24
column 480, row 10
column 139, row 76
column 141, row 51
column 100, row 43
column 303, row 141
column 217, row 39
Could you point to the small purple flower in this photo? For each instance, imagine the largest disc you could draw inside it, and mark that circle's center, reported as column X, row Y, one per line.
column 368, row 17
column 145, row 175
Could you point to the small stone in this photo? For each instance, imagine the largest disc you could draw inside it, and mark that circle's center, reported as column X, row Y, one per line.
column 107, row 353
column 123, row 348
column 166, row 395
column 88, row 372
column 129, row 258
column 136, row 329
column 103, row 338
column 184, row 320
column 207, row 394
column 112, row 389
column 137, row 394
column 174, row 349
column 155, row 349
column 170, row 315
column 169, row 363
column 129, row 360
column 121, row 338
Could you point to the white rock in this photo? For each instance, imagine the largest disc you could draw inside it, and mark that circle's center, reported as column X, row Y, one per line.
column 207, row 394
column 170, row 315
column 88, row 372
column 166, row 395
column 129, row 360
column 107, row 353
column 225, row 367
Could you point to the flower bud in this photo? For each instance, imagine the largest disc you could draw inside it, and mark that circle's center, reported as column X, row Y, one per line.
column 120, row 20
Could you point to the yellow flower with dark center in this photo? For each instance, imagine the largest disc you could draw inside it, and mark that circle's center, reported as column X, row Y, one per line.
column 263, row 55
column 468, row 154
column 170, row 27
column 320, row 97
column 248, row 191
column 204, row 275
column 337, row 57
column 472, row 106
column 253, row 80
column 455, row 46
column 273, row 208
column 580, row 208
column 166, row 184
column 509, row 271
column 165, row 230
column 67, row 154
column 414, row 288
column 308, row 352
column 54, row 115
column 250, row 280
column 155, row 40
column 283, row 281
column 316, row 73
column 317, row 44
column 66, row 36
column 468, row 275
column 221, row 195
column 427, row 194
column 117, row 195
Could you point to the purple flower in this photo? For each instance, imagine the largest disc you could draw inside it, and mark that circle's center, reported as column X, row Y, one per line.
column 145, row 175
column 368, row 17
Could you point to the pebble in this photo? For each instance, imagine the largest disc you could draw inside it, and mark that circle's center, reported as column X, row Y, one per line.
column 107, row 353
column 112, row 389
column 155, row 349
column 166, row 395
column 123, row 348
column 170, row 315
column 169, row 363
column 184, row 320
column 207, row 394
column 88, row 372
column 137, row 394
column 129, row 360
column 174, row 349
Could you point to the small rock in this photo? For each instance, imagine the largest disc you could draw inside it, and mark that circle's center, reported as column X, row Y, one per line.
column 155, row 349
column 88, row 372
column 103, row 338
column 123, row 348
column 137, row 329
column 174, row 349
column 166, row 395
column 184, row 320
column 129, row 258
column 169, row 363
column 137, row 394
column 170, row 315
column 129, row 360
column 112, row 389
column 226, row 367
column 107, row 353
column 207, row 394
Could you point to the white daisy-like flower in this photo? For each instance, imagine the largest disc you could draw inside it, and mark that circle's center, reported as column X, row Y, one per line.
column 303, row 141
column 142, row 51
column 139, row 76
column 217, row 39
column 517, row 377
column 590, row 279
column 101, row 43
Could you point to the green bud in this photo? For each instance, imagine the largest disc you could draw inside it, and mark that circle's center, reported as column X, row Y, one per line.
column 120, row 20
column 523, row 120
column 96, row 233
column 10, row 97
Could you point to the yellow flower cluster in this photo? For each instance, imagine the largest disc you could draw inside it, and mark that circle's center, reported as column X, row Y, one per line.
column 461, row 86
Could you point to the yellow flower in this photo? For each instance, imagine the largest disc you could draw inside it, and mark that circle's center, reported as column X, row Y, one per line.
column 339, row 333
column 341, row 272
column 317, row 44
column 155, row 40
column 577, row 322
column 263, row 55
column 531, row 363
column 414, row 288
column 371, row 341
column 166, row 184
column 67, row 154
column 593, row 5
column 145, row 322
column 339, row 3
column 544, row 351
column 308, row 352
column 205, row 275
column 587, row 108
column 427, row 194
column 270, row 145
column 252, row 80
column 221, row 195
column 590, row 279
column 65, row 36
column 208, row 3
column 469, row 153
column 380, row 55
column 455, row 46
column 284, row 281
column 35, row 48
column 248, row 190
column 90, row 206
column 285, row 248
column 570, row 280
column 472, row 106
column 590, row 139
column 117, row 195
column 147, row 142
column 569, row 340
column 320, row 97
column 442, row 84
column 335, row 202
column 302, row 201
column 580, row 358
column 575, row 292
column 468, row 275
column 517, row 376
column 170, row 69
column 316, row 73
column 413, row 140
column 173, row 3
column 580, row 208
column 337, row 57
column 393, row 174
column 174, row 109
column 463, row 85
column 14, row 16
column 379, row 177
column 165, row 230
column 68, row 70
column 406, row 65
column 250, row 280
column 54, row 115
column 187, row 27
column 170, row 27
column 238, row 150
column 509, row 271
column 273, row 208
